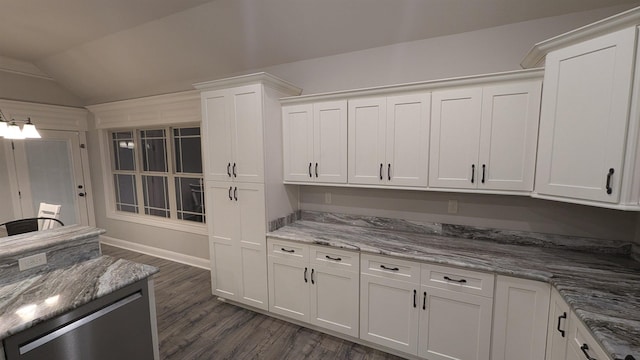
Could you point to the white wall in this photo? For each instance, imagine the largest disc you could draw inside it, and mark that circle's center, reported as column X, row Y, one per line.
column 485, row 51
column 502, row 212
column 6, row 209
column 34, row 89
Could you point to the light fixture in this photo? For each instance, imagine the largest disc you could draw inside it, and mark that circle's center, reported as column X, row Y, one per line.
column 11, row 130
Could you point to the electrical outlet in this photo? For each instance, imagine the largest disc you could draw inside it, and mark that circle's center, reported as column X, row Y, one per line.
column 453, row 206
column 29, row 262
column 327, row 198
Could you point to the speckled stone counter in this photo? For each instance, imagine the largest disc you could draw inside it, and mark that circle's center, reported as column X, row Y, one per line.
column 63, row 246
column 597, row 278
column 41, row 297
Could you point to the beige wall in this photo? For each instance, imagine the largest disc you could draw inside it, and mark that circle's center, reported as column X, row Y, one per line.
column 34, row 89
column 502, row 212
column 6, row 208
column 176, row 241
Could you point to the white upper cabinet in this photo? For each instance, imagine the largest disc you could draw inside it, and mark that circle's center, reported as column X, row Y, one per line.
column 455, row 138
column 315, row 142
column 584, row 117
column 485, row 137
column 232, row 122
column 388, row 140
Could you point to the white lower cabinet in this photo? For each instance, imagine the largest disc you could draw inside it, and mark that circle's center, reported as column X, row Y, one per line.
column 581, row 345
column 558, row 327
column 314, row 284
column 431, row 311
column 520, row 319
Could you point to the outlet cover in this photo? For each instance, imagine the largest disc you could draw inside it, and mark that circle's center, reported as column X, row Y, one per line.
column 29, row 262
column 453, row 207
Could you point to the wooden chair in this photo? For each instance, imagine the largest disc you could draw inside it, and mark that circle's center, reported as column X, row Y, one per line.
column 26, row 225
column 47, row 213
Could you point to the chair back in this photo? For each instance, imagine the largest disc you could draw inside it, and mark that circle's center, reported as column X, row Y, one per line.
column 50, row 211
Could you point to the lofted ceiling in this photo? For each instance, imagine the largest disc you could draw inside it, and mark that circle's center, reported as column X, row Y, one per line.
column 110, row 50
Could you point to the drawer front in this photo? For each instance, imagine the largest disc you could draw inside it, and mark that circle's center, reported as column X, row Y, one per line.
column 581, row 343
column 288, row 249
column 334, row 258
column 391, row 268
column 471, row 282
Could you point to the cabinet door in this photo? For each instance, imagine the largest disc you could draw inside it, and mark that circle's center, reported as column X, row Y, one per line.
column 581, row 345
column 558, row 327
column 252, row 244
column 330, row 142
column 297, row 125
column 454, row 325
column 520, row 319
column 583, row 120
column 407, row 145
column 335, row 299
column 455, row 138
column 367, row 122
column 224, row 225
column 389, row 313
column 217, row 135
column 289, row 288
column 509, row 136
column 245, row 108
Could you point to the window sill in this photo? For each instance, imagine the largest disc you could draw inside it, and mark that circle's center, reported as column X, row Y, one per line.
column 195, row 228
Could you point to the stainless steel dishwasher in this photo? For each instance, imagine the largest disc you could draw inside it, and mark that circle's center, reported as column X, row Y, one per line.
column 116, row 326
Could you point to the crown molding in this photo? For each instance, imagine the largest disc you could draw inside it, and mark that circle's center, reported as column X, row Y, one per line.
column 533, row 74
column 537, row 54
column 263, row 78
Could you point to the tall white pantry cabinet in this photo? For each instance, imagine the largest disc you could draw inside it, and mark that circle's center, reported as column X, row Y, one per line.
column 241, row 129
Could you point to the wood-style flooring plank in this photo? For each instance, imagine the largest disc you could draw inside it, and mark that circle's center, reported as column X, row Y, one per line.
column 193, row 324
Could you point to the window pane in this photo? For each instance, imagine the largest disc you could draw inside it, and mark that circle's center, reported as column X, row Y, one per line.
column 190, row 199
column 153, row 150
column 125, row 187
column 193, row 131
column 155, row 195
column 123, row 154
column 188, row 155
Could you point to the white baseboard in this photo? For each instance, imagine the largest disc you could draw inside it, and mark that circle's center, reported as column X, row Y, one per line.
column 159, row 253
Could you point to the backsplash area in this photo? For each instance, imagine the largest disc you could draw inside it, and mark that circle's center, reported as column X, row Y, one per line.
column 513, row 237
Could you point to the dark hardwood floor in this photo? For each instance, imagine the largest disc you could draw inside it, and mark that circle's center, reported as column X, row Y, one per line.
column 193, row 324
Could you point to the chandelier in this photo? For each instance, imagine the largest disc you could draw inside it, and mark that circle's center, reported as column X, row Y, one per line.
column 11, row 129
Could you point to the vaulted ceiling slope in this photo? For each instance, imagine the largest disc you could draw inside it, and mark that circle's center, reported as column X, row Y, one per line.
column 111, row 50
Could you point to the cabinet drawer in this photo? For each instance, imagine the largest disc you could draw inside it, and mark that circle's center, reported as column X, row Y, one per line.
column 288, row 249
column 471, row 282
column 390, row 268
column 335, row 258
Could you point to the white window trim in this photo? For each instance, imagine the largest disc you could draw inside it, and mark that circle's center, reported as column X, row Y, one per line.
column 139, row 218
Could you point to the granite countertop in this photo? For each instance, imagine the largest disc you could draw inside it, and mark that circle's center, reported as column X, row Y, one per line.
column 603, row 288
column 40, row 297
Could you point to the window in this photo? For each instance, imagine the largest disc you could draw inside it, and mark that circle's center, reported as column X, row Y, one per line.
column 158, row 172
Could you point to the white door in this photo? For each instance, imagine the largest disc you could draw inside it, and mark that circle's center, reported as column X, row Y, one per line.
column 520, row 319
column 217, row 135
column 224, row 227
column 289, row 287
column 407, row 145
column 558, row 327
column 454, row 325
column 298, row 130
column 52, row 170
column 334, row 299
column 509, row 136
column 252, row 244
column 367, row 136
column 583, row 120
column 389, row 313
column 455, row 138
column 245, row 108
column 330, row 142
